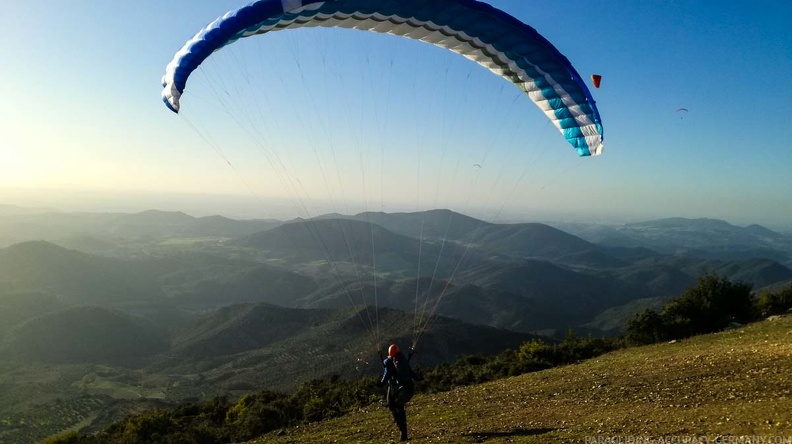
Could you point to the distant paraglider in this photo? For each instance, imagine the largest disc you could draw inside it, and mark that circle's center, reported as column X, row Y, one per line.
column 596, row 79
column 681, row 112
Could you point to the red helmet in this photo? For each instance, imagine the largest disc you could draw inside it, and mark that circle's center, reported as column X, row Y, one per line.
column 393, row 350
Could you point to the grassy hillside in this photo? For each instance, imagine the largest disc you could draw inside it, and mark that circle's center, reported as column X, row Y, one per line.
column 731, row 383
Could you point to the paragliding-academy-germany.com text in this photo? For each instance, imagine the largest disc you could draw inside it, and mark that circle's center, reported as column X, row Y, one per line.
column 689, row 439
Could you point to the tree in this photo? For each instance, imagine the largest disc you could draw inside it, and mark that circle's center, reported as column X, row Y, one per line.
column 535, row 355
column 775, row 303
column 711, row 305
column 647, row 327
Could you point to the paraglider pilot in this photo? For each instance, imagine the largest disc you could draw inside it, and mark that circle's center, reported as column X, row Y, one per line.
column 399, row 378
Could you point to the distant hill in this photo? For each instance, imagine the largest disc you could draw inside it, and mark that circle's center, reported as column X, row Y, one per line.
column 523, row 296
column 704, row 238
column 399, row 294
column 223, row 283
column 341, row 240
column 79, row 277
column 350, row 243
column 431, row 224
column 20, row 306
column 526, row 240
column 540, row 241
column 263, row 342
column 244, row 327
column 658, row 278
column 193, row 280
column 534, row 279
column 536, row 295
column 757, row 272
column 762, row 232
column 85, row 334
column 149, row 225
column 613, row 321
column 437, row 233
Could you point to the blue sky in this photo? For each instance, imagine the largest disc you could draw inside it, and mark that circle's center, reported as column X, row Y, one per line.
column 376, row 122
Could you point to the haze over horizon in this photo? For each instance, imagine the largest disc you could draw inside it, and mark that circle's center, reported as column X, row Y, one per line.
column 249, row 207
column 351, row 122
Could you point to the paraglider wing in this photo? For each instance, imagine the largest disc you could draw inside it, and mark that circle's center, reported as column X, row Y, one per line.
column 476, row 30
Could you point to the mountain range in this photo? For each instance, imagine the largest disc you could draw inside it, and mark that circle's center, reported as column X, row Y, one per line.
column 112, row 309
column 702, row 238
column 529, row 277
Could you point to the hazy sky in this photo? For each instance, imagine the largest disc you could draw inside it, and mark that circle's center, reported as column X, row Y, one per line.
column 272, row 125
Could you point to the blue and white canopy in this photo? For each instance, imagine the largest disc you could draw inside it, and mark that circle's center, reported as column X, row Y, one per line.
column 476, row 30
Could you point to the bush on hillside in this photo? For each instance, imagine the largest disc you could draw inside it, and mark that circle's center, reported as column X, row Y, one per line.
column 647, row 327
column 775, row 303
column 535, row 355
column 711, row 305
column 70, row 437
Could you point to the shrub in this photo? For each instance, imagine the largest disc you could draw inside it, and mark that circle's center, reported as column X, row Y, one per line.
column 70, row 437
column 534, row 355
column 149, row 427
column 647, row 327
column 775, row 303
column 711, row 305
column 239, row 411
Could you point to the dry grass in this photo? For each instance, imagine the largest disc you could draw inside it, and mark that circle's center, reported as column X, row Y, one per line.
column 734, row 383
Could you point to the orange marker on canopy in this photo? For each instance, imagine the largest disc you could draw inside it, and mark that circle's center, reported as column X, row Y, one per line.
column 596, row 78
